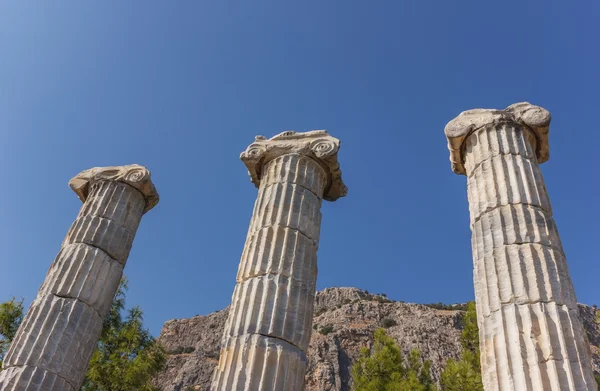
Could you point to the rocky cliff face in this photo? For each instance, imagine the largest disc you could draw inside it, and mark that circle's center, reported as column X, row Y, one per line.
column 344, row 322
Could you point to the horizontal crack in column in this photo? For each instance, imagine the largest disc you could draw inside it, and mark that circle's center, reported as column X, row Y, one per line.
column 548, row 246
column 282, row 226
column 273, row 183
column 279, row 338
column 78, row 300
column 42, row 368
column 263, row 274
column 488, row 210
column 91, row 245
column 508, row 303
column 109, row 219
column 494, row 155
column 226, row 339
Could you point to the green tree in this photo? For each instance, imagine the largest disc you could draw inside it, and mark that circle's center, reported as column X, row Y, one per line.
column 11, row 315
column 384, row 369
column 465, row 374
column 127, row 356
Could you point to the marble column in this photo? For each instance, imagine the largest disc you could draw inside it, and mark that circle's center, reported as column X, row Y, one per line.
column 55, row 341
column 270, row 318
column 531, row 334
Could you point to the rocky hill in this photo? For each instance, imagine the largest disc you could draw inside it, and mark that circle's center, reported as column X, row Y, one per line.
column 344, row 322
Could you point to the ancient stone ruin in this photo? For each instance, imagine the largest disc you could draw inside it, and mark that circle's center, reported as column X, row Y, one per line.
column 531, row 334
column 269, row 325
column 343, row 324
column 55, row 341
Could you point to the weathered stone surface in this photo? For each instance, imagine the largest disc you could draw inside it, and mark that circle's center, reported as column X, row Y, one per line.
column 530, row 117
column 591, row 323
column 193, row 347
column 354, row 315
column 316, row 144
column 272, row 304
column 531, row 334
column 69, row 276
column 256, row 362
column 134, row 175
column 32, row 378
column 58, row 335
column 296, row 256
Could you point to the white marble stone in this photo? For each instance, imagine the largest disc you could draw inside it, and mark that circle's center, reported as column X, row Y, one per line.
column 257, row 362
column 270, row 319
column 58, row 335
column 531, row 335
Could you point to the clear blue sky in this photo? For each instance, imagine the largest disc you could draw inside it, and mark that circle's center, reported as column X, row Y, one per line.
column 183, row 87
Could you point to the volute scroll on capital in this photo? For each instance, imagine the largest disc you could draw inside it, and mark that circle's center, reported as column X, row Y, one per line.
column 316, row 144
column 535, row 118
column 134, row 175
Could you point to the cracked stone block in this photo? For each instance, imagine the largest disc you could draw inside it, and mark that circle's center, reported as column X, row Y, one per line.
column 531, row 335
column 270, row 321
column 32, row 379
column 59, row 333
column 256, row 362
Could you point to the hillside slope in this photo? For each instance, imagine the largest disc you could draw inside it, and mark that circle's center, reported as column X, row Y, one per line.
column 344, row 322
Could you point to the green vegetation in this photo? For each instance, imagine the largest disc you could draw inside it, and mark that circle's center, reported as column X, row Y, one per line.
column 449, row 307
column 380, row 298
column 388, row 322
column 326, row 329
column 383, row 369
column 11, row 315
column 126, row 358
column 127, row 355
column 465, row 374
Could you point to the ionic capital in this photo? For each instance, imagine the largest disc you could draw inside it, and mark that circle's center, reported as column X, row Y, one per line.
column 316, row 144
column 134, row 175
column 534, row 118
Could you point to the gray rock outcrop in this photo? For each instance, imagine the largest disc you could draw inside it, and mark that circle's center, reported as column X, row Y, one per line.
column 344, row 322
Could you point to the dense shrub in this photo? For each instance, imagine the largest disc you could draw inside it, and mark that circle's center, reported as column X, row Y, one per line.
column 383, row 368
column 465, row 374
column 388, row 322
column 326, row 329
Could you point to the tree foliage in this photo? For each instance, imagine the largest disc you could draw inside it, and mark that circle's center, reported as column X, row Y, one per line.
column 384, row 369
column 127, row 356
column 11, row 315
column 465, row 374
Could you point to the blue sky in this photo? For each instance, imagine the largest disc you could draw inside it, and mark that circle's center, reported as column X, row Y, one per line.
column 183, row 87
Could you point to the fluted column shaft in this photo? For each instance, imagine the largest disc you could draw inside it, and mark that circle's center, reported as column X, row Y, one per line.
column 58, row 335
column 531, row 335
column 268, row 330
